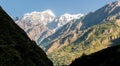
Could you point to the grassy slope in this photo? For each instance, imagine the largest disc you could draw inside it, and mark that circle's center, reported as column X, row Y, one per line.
column 94, row 39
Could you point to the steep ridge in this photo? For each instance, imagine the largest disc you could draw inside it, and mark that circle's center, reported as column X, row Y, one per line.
column 110, row 11
column 16, row 49
column 105, row 57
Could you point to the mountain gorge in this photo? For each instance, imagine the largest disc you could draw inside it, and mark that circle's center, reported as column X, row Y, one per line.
column 68, row 37
column 16, row 49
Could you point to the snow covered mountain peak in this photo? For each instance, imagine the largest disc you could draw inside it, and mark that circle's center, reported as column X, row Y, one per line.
column 35, row 17
column 47, row 17
column 39, row 25
column 69, row 17
column 116, row 3
column 50, row 12
column 65, row 18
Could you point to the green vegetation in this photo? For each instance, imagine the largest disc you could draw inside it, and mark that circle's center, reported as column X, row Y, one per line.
column 94, row 39
column 105, row 57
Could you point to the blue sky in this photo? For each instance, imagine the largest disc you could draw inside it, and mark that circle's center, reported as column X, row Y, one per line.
column 17, row 8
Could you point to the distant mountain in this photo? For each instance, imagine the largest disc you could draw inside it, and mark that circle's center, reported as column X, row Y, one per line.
column 65, row 18
column 40, row 25
column 89, row 34
column 16, row 49
column 35, row 23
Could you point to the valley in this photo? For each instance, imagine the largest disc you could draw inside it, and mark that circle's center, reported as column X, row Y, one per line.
column 79, row 34
column 45, row 39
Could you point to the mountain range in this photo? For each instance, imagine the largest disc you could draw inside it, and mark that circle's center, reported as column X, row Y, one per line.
column 40, row 25
column 91, row 33
column 68, row 37
column 73, row 30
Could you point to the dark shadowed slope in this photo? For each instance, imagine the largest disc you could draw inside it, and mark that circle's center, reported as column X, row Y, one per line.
column 105, row 57
column 16, row 49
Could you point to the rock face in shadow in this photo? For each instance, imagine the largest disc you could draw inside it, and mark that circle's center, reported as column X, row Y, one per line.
column 16, row 49
column 105, row 57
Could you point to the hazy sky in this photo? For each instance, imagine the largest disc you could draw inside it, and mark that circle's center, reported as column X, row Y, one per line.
column 16, row 8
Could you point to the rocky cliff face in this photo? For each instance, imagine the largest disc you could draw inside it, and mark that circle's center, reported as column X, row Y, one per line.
column 16, row 49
